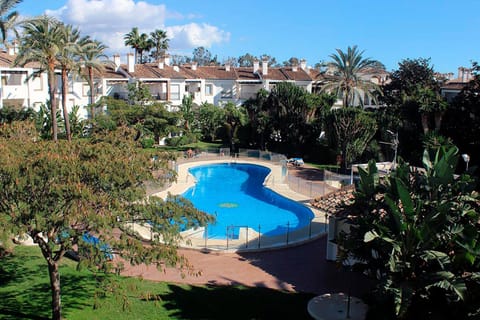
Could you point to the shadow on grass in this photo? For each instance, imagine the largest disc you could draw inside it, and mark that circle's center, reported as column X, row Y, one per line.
column 25, row 287
column 234, row 302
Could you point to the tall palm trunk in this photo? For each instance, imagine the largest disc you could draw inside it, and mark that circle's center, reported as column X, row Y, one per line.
column 92, row 93
column 53, row 99
column 64, row 104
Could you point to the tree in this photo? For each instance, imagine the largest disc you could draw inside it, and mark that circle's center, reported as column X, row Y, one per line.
column 76, row 123
column 259, row 117
column 463, row 117
column 188, row 112
column 289, row 108
column 246, row 60
column 40, row 43
column 348, row 83
column 234, row 118
column 7, row 17
column 60, row 193
column 139, row 42
column 293, row 61
column 92, row 57
column 414, row 94
column 203, row 57
column 210, row 119
column 417, row 232
column 138, row 92
column 66, row 57
column 350, row 130
column 160, row 43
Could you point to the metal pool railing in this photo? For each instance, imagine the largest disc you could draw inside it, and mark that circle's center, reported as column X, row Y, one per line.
column 243, row 237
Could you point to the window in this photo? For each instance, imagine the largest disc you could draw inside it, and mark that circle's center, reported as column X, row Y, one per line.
column 208, row 89
column 14, row 79
column 174, row 92
column 226, row 93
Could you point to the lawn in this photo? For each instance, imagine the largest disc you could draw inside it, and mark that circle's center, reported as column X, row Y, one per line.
column 25, row 294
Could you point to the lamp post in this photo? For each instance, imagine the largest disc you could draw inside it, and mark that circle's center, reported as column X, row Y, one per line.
column 394, row 145
column 466, row 158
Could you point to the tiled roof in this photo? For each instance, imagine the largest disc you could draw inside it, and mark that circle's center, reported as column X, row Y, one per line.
column 6, row 61
column 332, row 203
column 246, row 73
column 454, row 85
column 218, row 72
column 108, row 73
column 152, row 71
column 298, row 75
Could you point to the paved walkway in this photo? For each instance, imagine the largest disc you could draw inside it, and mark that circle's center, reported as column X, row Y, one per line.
column 301, row 268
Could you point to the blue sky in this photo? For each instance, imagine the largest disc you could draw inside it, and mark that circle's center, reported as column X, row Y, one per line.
column 388, row 31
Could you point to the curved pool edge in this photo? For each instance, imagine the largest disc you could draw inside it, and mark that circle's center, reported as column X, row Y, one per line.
column 275, row 182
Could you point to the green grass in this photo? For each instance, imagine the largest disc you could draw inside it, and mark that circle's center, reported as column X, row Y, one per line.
column 25, row 294
column 331, row 167
column 200, row 145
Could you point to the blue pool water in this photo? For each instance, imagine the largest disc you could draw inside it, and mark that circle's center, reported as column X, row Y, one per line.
column 235, row 194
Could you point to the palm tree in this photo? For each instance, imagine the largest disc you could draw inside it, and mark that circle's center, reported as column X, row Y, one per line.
column 40, row 43
column 348, row 83
column 138, row 42
column 160, row 43
column 67, row 59
column 7, row 17
column 145, row 44
column 132, row 39
column 92, row 58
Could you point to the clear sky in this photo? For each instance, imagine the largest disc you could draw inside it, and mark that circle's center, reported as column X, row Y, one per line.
column 446, row 31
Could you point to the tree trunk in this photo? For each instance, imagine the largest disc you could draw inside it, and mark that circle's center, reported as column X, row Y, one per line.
column 425, row 122
column 438, row 120
column 64, row 104
column 92, row 93
column 55, row 285
column 53, row 100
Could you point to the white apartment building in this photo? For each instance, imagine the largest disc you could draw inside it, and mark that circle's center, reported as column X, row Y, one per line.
column 167, row 83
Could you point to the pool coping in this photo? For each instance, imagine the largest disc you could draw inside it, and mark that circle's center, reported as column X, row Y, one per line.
column 274, row 181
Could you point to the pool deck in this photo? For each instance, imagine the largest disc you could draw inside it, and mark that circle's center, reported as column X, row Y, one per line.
column 301, row 268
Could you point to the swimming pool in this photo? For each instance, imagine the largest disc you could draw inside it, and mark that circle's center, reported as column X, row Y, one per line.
column 235, row 194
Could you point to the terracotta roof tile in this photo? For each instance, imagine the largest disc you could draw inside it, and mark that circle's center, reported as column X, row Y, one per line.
column 298, row 75
column 6, row 61
column 218, row 72
column 246, row 73
column 332, row 203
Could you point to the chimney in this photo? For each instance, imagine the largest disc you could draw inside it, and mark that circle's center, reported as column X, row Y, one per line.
column 264, row 67
column 227, row 67
column 130, row 62
column 460, row 73
column 294, row 68
column 303, row 64
column 161, row 64
column 256, row 65
column 116, row 61
column 194, row 65
column 166, row 59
